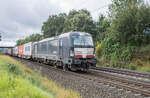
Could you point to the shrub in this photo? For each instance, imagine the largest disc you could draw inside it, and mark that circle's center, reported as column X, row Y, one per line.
column 126, row 54
column 13, row 69
column 113, row 49
column 139, row 62
column 110, row 46
column 98, row 50
column 133, row 67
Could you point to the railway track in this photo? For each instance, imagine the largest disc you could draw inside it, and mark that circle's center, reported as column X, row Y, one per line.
column 124, row 83
column 108, row 79
column 123, row 71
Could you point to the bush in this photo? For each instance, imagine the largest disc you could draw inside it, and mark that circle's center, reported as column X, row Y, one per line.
column 13, row 69
column 133, row 67
column 109, row 46
column 139, row 62
column 126, row 54
column 98, row 50
column 113, row 49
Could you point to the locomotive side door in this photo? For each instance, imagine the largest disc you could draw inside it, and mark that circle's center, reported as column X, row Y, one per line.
column 60, row 49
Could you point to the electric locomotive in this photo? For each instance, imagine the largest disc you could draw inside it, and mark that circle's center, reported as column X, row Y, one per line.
column 76, row 51
column 73, row 50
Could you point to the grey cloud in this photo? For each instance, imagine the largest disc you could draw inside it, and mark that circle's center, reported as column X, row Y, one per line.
column 20, row 18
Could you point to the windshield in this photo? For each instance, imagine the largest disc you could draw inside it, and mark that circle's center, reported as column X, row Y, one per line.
column 84, row 40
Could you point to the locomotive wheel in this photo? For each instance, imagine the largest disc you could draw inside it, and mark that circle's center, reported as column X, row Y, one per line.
column 55, row 66
column 72, row 68
column 85, row 70
column 65, row 67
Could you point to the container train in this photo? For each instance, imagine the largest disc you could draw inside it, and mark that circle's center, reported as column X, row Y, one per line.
column 72, row 50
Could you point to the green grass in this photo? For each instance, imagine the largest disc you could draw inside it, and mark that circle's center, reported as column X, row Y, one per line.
column 18, row 81
column 13, row 83
column 11, row 87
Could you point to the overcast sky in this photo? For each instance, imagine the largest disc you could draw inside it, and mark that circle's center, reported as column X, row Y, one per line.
column 20, row 18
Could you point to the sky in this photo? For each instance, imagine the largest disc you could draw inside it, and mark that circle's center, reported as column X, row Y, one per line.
column 21, row 18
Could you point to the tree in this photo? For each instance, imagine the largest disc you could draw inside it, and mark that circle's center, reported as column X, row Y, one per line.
column 81, row 21
column 54, row 25
column 129, row 27
column 68, row 21
column 102, row 25
column 31, row 38
column 76, row 20
column 131, row 19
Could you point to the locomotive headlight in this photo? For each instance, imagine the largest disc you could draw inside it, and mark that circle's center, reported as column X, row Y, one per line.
column 71, row 53
column 78, row 52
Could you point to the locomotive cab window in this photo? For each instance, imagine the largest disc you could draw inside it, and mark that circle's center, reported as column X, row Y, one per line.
column 82, row 40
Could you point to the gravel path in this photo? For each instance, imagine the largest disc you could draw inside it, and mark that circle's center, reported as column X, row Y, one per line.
column 86, row 88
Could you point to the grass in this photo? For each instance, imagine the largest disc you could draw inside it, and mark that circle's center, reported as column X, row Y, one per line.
column 145, row 67
column 17, row 80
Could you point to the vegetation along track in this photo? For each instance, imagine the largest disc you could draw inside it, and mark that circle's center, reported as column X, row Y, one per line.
column 93, row 75
column 124, row 71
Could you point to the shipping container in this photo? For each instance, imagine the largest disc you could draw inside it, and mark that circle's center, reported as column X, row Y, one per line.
column 5, row 51
column 15, row 51
column 20, row 50
column 10, row 51
column 27, row 50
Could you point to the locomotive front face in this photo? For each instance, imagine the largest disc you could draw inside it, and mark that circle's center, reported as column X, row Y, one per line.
column 83, row 46
column 83, row 49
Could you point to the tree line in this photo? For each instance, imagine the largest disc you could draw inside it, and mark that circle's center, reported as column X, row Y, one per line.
column 80, row 20
column 127, row 25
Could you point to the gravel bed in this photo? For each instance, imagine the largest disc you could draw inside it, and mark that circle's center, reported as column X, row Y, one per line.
column 86, row 88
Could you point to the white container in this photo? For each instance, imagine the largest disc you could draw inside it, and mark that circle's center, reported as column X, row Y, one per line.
column 27, row 50
column 15, row 51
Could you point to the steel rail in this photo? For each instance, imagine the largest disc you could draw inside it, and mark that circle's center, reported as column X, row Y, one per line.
column 123, row 71
column 121, row 79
